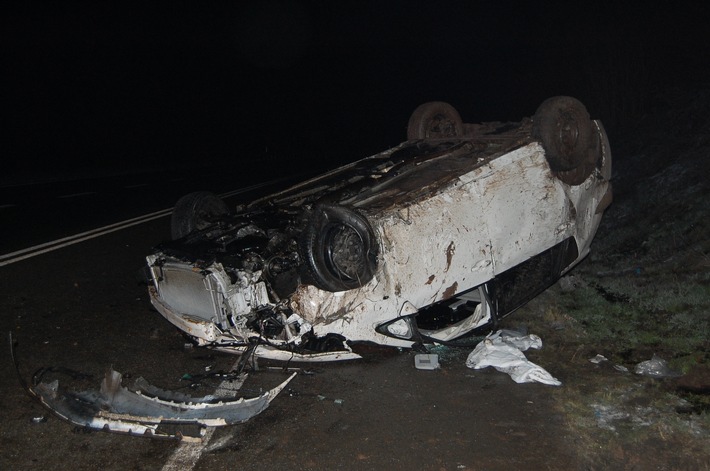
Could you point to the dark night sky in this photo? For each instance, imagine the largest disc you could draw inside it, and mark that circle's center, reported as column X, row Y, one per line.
column 102, row 86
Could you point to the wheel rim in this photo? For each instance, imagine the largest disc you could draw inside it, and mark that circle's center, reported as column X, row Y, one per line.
column 345, row 252
column 441, row 126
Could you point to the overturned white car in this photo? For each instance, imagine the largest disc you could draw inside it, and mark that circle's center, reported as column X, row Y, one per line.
column 428, row 242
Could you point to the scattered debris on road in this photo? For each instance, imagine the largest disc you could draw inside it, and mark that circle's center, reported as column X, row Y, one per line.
column 149, row 411
column 144, row 410
column 424, row 361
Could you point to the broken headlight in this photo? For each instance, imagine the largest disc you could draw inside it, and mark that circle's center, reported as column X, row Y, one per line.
column 402, row 328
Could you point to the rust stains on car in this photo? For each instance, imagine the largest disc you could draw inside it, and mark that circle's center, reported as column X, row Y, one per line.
column 450, row 250
column 450, row 291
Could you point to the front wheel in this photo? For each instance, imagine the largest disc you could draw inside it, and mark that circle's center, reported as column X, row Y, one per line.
column 339, row 248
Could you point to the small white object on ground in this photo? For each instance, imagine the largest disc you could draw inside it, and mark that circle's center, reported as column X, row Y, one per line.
column 656, row 367
column 505, row 354
column 424, row 361
column 598, row 359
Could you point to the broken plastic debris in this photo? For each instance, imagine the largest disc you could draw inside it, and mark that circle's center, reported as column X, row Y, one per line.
column 338, row 401
column 114, row 408
column 656, row 367
column 505, row 354
column 424, row 361
column 283, row 368
column 598, row 359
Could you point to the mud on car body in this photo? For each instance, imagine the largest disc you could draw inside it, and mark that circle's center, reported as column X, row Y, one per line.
column 433, row 240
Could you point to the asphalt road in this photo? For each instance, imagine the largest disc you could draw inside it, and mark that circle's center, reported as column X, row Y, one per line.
column 81, row 307
column 34, row 212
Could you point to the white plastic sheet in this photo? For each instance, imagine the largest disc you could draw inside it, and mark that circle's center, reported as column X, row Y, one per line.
column 656, row 367
column 504, row 352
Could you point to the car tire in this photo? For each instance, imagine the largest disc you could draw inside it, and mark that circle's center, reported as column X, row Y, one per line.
column 563, row 126
column 434, row 120
column 339, row 249
column 579, row 174
column 195, row 211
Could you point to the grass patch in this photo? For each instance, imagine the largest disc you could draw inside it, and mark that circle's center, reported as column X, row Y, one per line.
column 616, row 419
column 621, row 421
column 634, row 313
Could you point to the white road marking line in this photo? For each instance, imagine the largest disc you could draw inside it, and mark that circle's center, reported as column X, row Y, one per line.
column 187, row 454
column 74, row 195
column 220, row 443
column 40, row 249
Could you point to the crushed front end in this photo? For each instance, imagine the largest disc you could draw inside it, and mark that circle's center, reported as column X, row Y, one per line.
column 228, row 286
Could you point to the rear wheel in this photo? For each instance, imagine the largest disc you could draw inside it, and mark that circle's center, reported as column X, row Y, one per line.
column 562, row 124
column 434, row 120
column 195, row 211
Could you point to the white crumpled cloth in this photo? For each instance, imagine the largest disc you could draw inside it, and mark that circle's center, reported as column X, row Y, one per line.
column 504, row 352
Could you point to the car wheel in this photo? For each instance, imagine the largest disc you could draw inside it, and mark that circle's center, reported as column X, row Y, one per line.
column 579, row 174
column 562, row 124
column 195, row 211
column 434, row 120
column 339, row 248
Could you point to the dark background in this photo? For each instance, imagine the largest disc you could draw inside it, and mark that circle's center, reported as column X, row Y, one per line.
column 102, row 101
column 101, row 88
